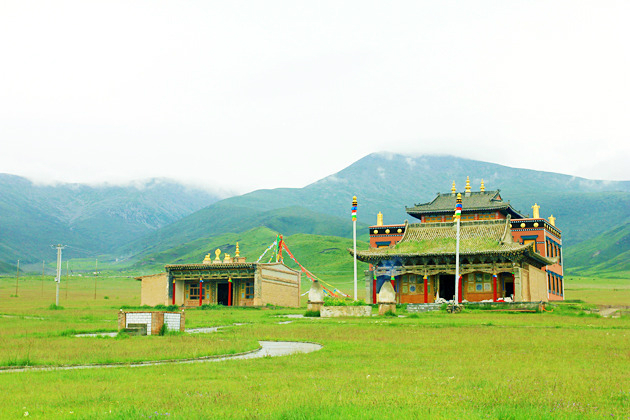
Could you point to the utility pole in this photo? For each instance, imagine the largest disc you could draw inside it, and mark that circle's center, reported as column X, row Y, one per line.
column 17, row 279
column 95, row 278
column 67, row 278
column 58, row 277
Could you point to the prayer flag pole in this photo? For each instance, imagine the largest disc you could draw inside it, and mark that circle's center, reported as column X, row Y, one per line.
column 354, row 241
column 457, row 217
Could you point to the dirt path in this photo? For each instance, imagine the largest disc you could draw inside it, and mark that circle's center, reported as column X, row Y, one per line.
column 267, row 349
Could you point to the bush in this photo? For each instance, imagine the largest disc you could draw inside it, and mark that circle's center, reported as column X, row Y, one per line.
column 389, row 313
column 54, row 307
column 312, row 314
column 330, row 301
column 163, row 330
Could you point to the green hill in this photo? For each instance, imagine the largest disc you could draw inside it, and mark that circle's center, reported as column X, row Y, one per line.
column 608, row 253
column 225, row 217
column 389, row 182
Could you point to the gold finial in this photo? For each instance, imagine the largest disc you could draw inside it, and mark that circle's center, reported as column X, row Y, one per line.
column 536, row 209
column 483, row 187
column 459, row 197
column 237, row 253
column 552, row 220
column 354, row 201
column 453, row 190
column 207, row 259
column 379, row 219
column 467, row 185
column 217, row 253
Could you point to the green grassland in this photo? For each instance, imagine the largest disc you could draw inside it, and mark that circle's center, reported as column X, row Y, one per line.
column 477, row 364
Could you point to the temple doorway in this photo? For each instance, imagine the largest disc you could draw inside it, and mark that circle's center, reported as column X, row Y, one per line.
column 223, row 293
column 447, row 286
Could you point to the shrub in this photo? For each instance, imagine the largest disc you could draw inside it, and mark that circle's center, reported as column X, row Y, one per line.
column 330, row 301
column 389, row 313
column 54, row 307
column 163, row 330
column 312, row 314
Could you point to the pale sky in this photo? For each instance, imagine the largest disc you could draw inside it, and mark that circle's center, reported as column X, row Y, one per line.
column 264, row 94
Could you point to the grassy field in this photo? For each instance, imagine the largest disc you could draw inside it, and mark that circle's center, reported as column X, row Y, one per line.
column 561, row 364
column 600, row 291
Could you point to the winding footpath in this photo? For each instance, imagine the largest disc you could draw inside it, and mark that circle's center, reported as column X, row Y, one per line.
column 267, row 349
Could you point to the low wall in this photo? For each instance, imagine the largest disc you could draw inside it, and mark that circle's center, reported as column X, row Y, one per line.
column 336, row 311
column 423, row 307
column 153, row 320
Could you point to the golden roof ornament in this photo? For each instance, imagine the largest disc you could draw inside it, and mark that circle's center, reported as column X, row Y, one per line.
column 453, row 189
column 217, row 253
column 536, row 209
column 379, row 219
column 207, row 259
column 467, row 190
column 483, row 187
column 237, row 253
column 552, row 220
column 227, row 258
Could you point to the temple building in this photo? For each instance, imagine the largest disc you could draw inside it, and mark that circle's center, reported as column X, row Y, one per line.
column 229, row 281
column 503, row 254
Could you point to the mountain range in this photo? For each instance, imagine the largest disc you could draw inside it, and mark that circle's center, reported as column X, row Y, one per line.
column 138, row 224
column 91, row 219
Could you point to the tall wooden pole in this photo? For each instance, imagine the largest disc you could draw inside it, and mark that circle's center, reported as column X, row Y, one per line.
column 354, row 241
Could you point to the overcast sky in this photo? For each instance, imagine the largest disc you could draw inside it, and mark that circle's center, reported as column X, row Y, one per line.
column 263, row 94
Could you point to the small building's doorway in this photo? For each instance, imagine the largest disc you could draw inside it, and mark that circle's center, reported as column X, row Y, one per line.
column 447, row 286
column 508, row 286
column 223, row 293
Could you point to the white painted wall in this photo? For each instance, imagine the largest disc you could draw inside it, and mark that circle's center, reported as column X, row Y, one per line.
column 140, row 318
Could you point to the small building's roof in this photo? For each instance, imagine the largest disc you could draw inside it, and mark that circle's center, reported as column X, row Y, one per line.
column 210, row 267
column 471, row 202
column 488, row 237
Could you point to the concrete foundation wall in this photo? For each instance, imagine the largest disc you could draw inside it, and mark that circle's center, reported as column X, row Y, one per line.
column 337, row 311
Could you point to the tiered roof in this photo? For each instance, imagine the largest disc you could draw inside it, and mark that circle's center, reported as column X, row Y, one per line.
column 488, row 237
column 472, row 202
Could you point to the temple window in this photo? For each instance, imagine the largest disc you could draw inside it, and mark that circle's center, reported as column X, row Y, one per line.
column 249, row 290
column 193, row 291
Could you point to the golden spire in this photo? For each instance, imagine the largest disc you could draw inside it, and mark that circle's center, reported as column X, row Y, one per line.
column 237, row 253
column 467, row 190
column 453, row 189
column 536, row 209
column 552, row 220
column 483, row 187
column 379, row 219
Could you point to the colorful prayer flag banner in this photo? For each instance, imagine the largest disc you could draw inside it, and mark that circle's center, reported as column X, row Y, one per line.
column 458, row 208
column 354, row 208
